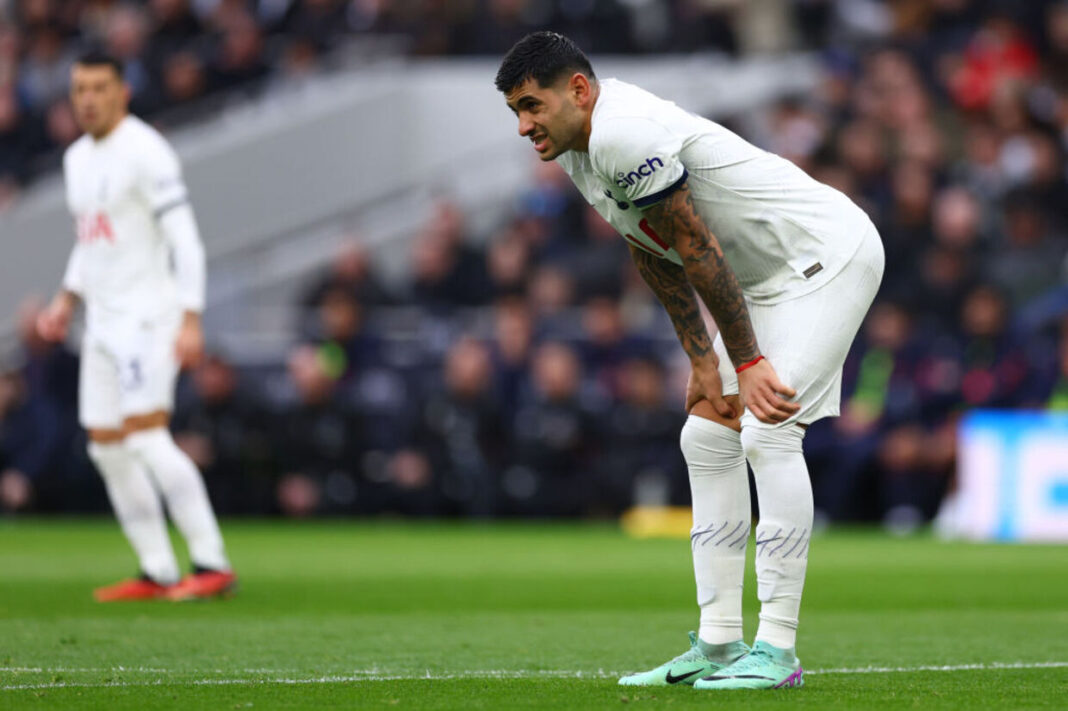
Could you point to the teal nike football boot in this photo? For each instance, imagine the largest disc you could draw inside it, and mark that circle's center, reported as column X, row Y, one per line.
column 766, row 667
column 689, row 666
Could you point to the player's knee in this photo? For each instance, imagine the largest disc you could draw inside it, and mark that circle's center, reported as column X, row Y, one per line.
column 759, row 442
column 709, row 447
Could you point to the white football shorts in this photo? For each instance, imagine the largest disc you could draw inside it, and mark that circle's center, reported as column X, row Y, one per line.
column 128, row 367
column 807, row 339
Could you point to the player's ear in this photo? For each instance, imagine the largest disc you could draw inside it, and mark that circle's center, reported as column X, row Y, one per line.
column 579, row 87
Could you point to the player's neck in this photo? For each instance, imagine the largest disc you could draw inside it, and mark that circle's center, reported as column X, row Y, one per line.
column 110, row 129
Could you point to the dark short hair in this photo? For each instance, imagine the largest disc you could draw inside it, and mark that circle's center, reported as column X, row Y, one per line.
column 543, row 57
column 99, row 58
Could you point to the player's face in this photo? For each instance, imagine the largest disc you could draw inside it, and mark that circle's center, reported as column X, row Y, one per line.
column 554, row 118
column 99, row 97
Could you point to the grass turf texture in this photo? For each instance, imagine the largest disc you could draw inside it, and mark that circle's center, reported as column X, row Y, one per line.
column 349, row 615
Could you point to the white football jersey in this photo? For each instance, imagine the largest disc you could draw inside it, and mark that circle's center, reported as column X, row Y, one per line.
column 117, row 188
column 783, row 233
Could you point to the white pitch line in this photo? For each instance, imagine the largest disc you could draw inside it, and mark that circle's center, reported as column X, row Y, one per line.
column 375, row 675
column 147, row 670
column 943, row 668
column 429, row 676
column 91, row 670
column 359, row 673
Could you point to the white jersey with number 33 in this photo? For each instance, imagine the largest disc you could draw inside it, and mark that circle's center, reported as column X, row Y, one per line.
column 117, row 189
column 783, row 233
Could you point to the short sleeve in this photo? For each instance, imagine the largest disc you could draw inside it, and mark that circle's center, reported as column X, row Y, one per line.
column 640, row 157
column 161, row 176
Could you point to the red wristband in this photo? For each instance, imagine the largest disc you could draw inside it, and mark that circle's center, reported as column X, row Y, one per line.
column 750, row 364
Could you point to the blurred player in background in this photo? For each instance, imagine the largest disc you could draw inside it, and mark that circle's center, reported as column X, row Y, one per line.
column 787, row 267
column 124, row 186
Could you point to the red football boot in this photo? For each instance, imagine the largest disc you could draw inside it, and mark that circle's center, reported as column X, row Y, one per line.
column 143, row 588
column 202, row 585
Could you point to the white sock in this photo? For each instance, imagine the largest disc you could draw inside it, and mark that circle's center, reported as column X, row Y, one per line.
column 184, row 493
column 719, row 484
column 784, row 494
column 136, row 505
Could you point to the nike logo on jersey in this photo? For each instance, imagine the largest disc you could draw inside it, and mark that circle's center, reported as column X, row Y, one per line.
column 672, row 679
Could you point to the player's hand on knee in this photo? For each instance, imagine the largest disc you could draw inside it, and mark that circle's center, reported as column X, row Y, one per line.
column 705, row 384
column 765, row 395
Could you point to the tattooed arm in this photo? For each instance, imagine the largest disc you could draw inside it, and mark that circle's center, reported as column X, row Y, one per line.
column 668, row 281
column 676, row 221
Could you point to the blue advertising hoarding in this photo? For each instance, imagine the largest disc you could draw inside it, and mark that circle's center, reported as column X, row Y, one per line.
column 1012, row 476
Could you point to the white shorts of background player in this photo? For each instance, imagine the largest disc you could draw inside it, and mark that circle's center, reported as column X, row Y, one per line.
column 128, row 367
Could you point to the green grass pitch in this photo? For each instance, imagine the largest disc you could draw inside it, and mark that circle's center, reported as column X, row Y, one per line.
column 386, row 615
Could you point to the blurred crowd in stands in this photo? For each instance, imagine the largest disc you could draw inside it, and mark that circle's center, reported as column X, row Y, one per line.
column 531, row 372
column 186, row 58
